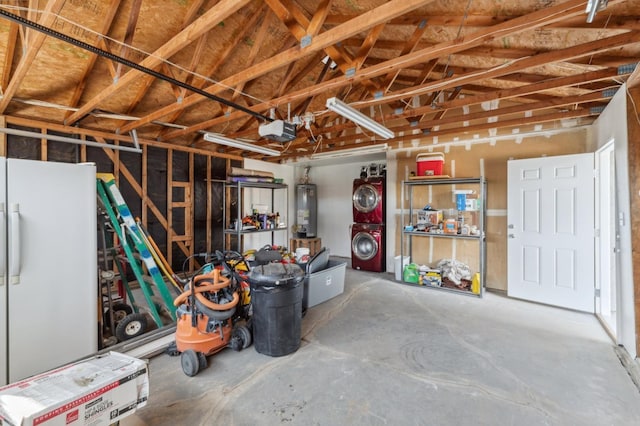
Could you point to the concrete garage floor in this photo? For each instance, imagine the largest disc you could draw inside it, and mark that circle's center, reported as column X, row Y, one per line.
column 384, row 353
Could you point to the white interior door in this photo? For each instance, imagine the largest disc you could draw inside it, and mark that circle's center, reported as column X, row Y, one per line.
column 606, row 303
column 551, row 230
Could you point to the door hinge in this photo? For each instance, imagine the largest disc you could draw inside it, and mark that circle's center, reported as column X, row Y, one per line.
column 595, row 173
column 597, row 292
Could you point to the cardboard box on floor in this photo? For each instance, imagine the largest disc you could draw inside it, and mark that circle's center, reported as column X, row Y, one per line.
column 97, row 391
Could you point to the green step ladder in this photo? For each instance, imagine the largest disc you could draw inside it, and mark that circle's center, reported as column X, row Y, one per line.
column 136, row 250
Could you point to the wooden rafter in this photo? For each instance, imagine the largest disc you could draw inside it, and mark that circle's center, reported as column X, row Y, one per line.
column 35, row 40
column 106, row 24
column 526, row 22
column 407, row 48
column 525, row 63
column 397, row 57
column 216, row 14
column 328, row 38
column 147, row 80
column 134, row 13
column 226, row 52
column 11, row 42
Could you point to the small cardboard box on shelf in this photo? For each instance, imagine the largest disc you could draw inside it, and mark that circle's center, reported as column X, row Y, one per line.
column 432, row 217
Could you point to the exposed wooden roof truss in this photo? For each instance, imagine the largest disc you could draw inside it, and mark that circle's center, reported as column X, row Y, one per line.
column 430, row 70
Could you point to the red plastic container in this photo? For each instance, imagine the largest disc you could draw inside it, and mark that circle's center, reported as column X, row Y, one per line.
column 429, row 164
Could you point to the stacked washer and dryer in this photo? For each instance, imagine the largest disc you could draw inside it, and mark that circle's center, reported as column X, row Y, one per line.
column 367, row 232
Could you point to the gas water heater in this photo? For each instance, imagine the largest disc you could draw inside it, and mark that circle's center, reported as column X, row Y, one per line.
column 306, row 210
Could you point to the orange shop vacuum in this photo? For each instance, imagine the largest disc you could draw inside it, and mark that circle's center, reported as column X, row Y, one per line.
column 205, row 320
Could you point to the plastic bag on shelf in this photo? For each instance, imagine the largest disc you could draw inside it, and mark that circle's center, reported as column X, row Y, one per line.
column 455, row 270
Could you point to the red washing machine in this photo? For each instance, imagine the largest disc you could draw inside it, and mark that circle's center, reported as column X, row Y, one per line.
column 368, row 200
column 368, row 247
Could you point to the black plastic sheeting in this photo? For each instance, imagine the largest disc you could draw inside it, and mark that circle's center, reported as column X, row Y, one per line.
column 157, row 193
column 157, row 165
column 24, row 147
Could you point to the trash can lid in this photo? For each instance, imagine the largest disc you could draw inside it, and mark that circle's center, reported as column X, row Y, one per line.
column 276, row 273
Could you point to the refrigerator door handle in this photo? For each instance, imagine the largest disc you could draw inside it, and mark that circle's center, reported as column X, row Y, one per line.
column 14, row 255
column 3, row 237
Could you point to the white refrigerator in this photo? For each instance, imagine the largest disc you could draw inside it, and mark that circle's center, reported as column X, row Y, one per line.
column 48, row 266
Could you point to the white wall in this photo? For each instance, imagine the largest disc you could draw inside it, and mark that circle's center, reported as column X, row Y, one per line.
column 283, row 203
column 335, row 211
column 612, row 125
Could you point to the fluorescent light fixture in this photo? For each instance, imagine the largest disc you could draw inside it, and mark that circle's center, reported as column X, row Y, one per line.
column 593, row 6
column 223, row 140
column 359, row 118
column 362, row 150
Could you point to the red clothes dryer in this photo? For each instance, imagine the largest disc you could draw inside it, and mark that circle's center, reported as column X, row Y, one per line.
column 368, row 247
column 368, row 200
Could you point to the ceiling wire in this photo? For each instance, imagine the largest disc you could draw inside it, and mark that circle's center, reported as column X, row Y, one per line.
column 464, row 18
column 131, row 47
column 600, row 34
column 633, row 103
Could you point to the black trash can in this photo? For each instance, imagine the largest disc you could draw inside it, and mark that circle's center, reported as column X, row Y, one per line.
column 276, row 299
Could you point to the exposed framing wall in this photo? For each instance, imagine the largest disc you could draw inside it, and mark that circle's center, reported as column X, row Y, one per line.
column 173, row 190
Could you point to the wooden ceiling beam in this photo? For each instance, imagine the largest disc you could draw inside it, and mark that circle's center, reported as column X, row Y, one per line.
column 550, row 84
column 91, row 62
column 452, row 96
column 7, row 63
column 407, row 47
column 290, row 79
column 328, row 38
column 146, row 80
column 366, row 46
column 302, row 28
column 523, row 23
column 319, row 18
column 253, row 53
column 96, row 134
column 520, row 92
column 507, row 94
column 130, row 31
column 34, row 43
column 224, row 55
column 554, row 103
column 166, row 70
column 302, row 108
column 454, row 131
column 550, row 103
column 560, row 55
column 195, row 60
column 352, row 141
column 222, row 10
column 601, row 20
column 514, row 123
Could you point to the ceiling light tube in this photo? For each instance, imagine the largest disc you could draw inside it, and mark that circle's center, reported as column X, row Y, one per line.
column 361, row 150
column 359, row 118
column 223, row 140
